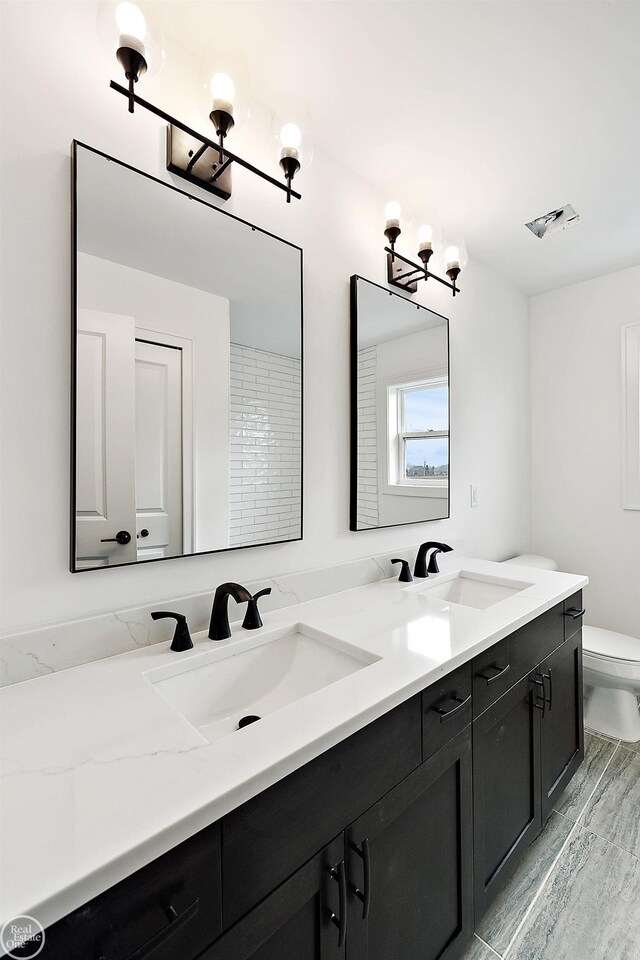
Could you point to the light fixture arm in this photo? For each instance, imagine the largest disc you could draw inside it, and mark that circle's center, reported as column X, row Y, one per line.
column 205, row 142
column 401, row 280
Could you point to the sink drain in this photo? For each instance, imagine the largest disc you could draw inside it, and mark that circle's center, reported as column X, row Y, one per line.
column 247, row 720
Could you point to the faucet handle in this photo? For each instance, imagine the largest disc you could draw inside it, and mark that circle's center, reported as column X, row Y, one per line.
column 252, row 619
column 181, row 637
column 433, row 561
column 405, row 573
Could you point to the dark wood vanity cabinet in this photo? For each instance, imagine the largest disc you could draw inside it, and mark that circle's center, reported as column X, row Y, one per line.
column 526, row 746
column 377, row 849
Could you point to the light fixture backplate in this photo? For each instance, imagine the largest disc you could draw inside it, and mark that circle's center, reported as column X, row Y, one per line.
column 182, row 148
column 395, row 268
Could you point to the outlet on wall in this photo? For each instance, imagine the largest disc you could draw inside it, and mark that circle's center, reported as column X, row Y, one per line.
column 475, row 494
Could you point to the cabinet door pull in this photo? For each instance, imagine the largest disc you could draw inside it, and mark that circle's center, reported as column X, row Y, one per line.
column 575, row 613
column 494, row 666
column 539, row 681
column 176, row 922
column 446, row 714
column 339, row 874
column 363, row 853
column 549, row 677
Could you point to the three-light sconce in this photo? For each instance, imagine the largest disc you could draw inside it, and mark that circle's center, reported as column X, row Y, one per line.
column 190, row 154
column 405, row 273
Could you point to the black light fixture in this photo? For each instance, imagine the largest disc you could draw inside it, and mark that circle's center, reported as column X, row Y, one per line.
column 398, row 273
column 190, row 154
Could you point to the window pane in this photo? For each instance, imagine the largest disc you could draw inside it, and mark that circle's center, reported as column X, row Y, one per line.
column 426, row 458
column 426, row 409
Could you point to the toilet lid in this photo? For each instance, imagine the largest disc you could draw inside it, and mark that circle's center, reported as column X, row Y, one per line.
column 607, row 643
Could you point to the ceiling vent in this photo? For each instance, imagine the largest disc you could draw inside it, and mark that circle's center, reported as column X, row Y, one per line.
column 554, row 222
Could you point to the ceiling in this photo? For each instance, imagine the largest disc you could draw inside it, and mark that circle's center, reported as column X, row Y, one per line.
column 488, row 114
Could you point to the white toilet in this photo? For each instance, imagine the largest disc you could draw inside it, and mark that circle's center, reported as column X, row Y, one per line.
column 611, row 663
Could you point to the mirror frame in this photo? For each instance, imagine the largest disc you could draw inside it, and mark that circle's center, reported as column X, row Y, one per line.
column 75, row 144
column 353, row 372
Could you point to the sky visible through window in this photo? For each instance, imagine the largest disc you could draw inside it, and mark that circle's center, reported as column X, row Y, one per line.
column 426, row 410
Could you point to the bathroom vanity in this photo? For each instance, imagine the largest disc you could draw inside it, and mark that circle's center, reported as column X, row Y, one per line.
column 376, row 817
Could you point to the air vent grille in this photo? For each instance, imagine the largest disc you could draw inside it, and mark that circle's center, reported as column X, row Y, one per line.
column 553, row 222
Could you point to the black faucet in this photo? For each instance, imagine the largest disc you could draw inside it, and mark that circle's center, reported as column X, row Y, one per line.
column 219, row 628
column 252, row 619
column 420, row 569
column 181, row 637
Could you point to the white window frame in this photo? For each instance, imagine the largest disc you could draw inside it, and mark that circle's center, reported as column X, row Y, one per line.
column 631, row 416
column 394, row 437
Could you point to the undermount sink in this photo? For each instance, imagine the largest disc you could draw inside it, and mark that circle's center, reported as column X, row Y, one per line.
column 469, row 589
column 224, row 689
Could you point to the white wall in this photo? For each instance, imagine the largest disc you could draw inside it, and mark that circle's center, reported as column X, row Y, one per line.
column 55, row 87
column 577, row 515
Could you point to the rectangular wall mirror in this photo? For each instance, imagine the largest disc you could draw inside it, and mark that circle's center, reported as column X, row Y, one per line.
column 399, row 409
column 187, row 374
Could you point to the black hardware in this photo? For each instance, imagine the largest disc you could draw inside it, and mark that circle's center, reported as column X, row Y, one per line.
column 574, row 613
column 134, row 65
column 181, row 638
column 365, row 896
column 222, row 151
column 290, row 166
column 252, row 619
column 460, row 703
column 420, row 568
column 494, row 666
column 549, row 677
column 144, row 532
column 122, row 537
column 405, row 572
column 175, row 922
column 541, row 706
column 246, row 721
column 219, row 628
column 411, row 285
column 339, row 874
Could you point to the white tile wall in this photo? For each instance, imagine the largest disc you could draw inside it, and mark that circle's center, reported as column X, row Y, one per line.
column 265, row 435
column 367, row 438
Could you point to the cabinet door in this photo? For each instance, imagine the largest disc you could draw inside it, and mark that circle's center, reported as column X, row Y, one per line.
column 410, row 864
column 303, row 919
column 562, row 725
column 506, row 780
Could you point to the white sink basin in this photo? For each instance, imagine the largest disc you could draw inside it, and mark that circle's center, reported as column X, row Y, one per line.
column 468, row 589
column 254, row 676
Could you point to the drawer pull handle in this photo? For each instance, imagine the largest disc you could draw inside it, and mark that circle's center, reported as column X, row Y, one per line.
column 575, row 613
column 176, row 922
column 539, row 681
column 339, row 874
column 363, row 853
column 494, row 666
column 549, row 677
column 446, row 714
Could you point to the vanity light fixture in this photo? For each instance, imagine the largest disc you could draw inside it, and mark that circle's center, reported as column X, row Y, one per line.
column 397, row 264
column 190, row 154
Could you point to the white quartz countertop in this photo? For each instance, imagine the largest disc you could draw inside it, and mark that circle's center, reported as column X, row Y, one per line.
column 100, row 775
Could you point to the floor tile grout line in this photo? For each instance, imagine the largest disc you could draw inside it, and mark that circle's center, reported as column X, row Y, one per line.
column 574, row 829
column 488, row 945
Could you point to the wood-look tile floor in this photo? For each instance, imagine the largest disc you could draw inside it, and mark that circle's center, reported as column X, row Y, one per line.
column 576, row 893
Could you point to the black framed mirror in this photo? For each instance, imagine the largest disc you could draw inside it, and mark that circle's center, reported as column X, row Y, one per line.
column 400, row 424
column 186, row 375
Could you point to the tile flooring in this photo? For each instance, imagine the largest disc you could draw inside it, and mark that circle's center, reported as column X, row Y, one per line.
column 576, row 893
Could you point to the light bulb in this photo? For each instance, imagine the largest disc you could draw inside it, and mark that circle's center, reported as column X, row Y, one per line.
column 130, row 21
column 290, row 136
column 392, row 213
column 452, row 258
column 223, row 92
column 425, row 237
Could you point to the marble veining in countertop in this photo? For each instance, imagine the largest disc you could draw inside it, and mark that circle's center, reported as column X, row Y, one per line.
column 100, row 775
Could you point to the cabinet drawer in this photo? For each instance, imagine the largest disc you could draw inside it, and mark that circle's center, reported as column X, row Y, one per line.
column 535, row 641
column 265, row 840
column 492, row 675
column 573, row 611
column 446, row 709
column 172, row 907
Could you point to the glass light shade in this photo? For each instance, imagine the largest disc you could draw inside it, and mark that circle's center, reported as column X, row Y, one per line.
column 224, row 81
column 455, row 253
column 392, row 212
column 290, row 130
column 122, row 23
column 425, row 235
